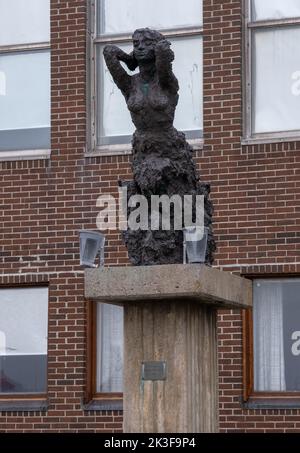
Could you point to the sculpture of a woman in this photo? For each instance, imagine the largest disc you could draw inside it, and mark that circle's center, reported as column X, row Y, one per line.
column 162, row 158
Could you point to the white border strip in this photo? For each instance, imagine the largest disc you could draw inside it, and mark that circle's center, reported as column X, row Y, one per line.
column 34, row 154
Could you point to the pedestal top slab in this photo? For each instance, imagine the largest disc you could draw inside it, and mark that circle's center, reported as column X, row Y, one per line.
column 203, row 284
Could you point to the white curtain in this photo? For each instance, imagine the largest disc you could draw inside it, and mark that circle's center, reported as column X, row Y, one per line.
column 26, row 101
column 276, row 74
column 23, row 321
column 23, row 340
column 24, row 21
column 119, row 16
column 275, row 9
column 109, row 348
column 269, row 373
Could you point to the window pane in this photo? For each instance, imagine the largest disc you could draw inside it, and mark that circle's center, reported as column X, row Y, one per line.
column 188, row 70
column 276, row 335
column 115, row 16
column 113, row 118
column 114, row 122
column 109, row 348
column 23, row 340
column 275, row 9
column 24, row 99
column 268, row 337
column 24, row 21
column 276, row 80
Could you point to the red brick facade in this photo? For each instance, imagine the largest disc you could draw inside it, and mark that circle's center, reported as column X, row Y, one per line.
column 46, row 202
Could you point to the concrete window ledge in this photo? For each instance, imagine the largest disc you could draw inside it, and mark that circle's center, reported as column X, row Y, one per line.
column 120, row 150
column 24, row 405
column 271, row 403
column 103, row 405
column 25, row 155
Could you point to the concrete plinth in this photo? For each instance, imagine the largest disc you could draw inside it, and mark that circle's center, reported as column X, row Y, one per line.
column 170, row 316
column 184, row 336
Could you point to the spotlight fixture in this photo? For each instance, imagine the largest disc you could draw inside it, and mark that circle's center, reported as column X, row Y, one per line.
column 194, row 244
column 91, row 244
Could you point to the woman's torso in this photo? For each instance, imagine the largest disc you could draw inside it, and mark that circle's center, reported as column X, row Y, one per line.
column 151, row 107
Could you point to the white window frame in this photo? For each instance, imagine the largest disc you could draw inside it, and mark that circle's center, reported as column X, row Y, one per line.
column 27, row 154
column 93, row 149
column 250, row 137
column 15, row 396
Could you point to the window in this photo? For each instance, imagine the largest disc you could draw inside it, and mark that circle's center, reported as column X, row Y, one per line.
column 109, row 374
column 23, row 341
column 274, row 338
column 24, row 75
column 114, row 22
column 105, row 361
column 272, row 61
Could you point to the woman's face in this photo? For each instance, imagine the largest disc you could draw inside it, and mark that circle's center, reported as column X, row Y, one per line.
column 143, row 48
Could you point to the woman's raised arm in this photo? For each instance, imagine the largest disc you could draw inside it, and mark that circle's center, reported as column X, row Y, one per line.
column 164, row 58
column 113, row 55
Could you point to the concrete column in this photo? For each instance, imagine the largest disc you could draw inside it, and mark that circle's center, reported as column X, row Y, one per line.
column 170, row 316
column 183, row 334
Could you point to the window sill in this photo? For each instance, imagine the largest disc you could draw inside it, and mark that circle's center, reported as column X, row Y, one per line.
column 103, row 405
column 273, row 402
column 121, row 150
column 30, row 405
column 269, row 140
column 110, row 150
column 36, row 154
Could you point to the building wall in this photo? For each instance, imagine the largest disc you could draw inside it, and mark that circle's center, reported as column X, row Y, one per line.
column 255, row 191
column 46, row 202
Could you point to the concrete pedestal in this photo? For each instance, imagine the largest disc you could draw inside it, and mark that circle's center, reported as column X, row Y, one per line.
column 184, row 336
column 170, row 316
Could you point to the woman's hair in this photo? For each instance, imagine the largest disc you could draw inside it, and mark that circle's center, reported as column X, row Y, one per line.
column 148, row 33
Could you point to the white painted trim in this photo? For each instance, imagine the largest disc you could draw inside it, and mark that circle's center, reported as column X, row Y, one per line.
column 274, row 22
column 121, row 150
column 167, row 32
column 264, row 141
column 35, row 154
column 110, row 150
column 196, row 143
column 25, row 47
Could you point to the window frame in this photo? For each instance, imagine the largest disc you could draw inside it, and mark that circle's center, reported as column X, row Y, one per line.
column 250, row 137
column 35, row 153
column 252, row 399
column 93, row 149
column 27, row 401
column 93, row 399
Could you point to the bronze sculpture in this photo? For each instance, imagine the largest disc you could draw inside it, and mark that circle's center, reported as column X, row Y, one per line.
column 162, row 158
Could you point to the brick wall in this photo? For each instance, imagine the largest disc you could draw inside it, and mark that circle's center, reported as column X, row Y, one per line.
column 45, row 203
column 255, row 191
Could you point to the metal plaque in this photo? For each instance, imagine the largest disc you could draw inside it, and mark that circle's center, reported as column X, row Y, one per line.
column 154, row 371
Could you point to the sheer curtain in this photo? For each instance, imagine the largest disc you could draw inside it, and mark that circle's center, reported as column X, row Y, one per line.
column 275, row 9
column 126, row 15
column 275, row 73
column 269, row 373
column 24, row 22
column 109, row 348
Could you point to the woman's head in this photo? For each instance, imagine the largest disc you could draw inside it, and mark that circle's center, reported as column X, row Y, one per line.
column 144, row 41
